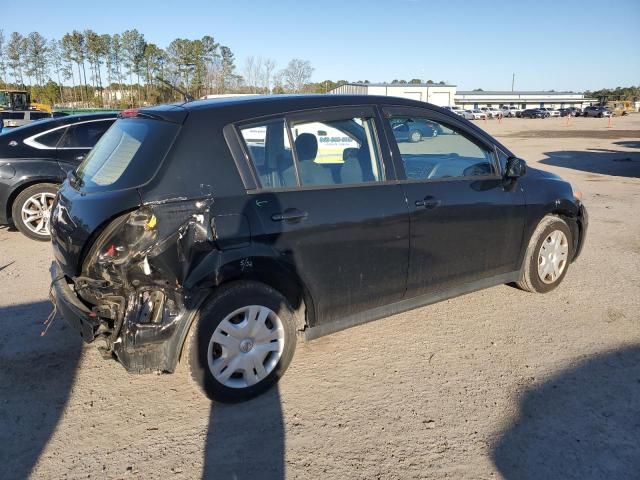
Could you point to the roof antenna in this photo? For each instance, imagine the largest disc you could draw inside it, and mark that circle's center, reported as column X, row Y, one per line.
column 185, row 95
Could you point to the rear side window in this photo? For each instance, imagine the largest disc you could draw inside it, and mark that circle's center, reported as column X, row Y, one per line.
column 433, row 151
column 337, row 152
column 313, row 153
column 84, row 135
column 269, row 148
column 127, row 155
column 50, row 139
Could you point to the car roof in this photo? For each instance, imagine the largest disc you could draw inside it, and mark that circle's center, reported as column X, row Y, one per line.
column 259, row 105
column 49, row 123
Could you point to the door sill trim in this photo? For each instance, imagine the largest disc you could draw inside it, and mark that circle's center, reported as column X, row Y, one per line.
column 407, row 304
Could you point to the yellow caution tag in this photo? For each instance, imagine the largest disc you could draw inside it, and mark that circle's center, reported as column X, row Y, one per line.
column 151, row 224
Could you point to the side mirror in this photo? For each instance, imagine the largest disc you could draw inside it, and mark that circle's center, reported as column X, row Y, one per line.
column 516, row 167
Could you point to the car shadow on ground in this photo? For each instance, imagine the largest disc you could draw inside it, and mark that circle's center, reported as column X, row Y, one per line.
column 604, row 162
column 246, row 440
column 583, row 423
column 628, row 143
column 36, row 376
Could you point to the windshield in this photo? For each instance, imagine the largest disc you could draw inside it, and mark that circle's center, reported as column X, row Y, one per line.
column 4, row 100
column 128, row 155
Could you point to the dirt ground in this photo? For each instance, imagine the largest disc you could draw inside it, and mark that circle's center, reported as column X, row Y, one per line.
column 495, row 384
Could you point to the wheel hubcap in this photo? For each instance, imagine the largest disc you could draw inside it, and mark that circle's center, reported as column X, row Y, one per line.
column 246, row 346
column 552, row 258
column 36, row 212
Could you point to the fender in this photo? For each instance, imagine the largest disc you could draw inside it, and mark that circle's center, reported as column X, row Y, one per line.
column 17, row 174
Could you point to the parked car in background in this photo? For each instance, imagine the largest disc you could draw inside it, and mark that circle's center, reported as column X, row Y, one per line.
column 492, row 112
column 35, row 159
column 457, row 110
column 409, row 130
column 17, row 118
column 551, row 112
column 534, row 113
column 570, row 112
column 597, row 112
column 510, row 111
column 183, row 237
column 475, row 114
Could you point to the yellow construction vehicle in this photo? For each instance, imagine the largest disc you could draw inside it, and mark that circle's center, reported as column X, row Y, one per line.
column 620, row 107
column 20, row 100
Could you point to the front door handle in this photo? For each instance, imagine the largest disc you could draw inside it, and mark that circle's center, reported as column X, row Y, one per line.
column 428, row 202
column 79, row 158
column 290, row 215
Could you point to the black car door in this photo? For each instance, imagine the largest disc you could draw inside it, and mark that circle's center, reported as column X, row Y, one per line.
column 329, row 207
column 78, row 139
column 466, row 221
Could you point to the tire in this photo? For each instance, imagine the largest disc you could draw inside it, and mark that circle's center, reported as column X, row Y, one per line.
column 531, row 279
column 238, row 306
column 415, row 136
column 38, row 199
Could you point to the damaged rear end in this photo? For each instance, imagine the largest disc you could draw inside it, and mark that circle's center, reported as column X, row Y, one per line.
column 121, row 263
column 133, row 280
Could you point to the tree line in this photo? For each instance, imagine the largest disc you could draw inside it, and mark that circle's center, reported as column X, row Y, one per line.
column 85, row 68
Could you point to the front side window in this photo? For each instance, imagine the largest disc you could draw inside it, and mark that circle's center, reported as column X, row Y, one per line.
column 84, row 135
column 440, row 151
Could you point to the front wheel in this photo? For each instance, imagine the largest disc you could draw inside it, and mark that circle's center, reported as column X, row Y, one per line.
column 31, row 210
column 415, row 136
column 242, row 342
column 548, row 256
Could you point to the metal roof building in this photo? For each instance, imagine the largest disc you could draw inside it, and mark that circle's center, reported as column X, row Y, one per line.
column 425, row 92
column 446, row 95
column 524, row 99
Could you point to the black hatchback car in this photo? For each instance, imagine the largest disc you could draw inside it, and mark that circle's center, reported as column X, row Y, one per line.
column 35, row 159
column 217, row 232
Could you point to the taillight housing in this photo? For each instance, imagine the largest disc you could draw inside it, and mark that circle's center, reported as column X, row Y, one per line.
column 146, row 241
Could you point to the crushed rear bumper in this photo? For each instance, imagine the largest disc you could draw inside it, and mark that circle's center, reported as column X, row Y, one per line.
column 76, row 313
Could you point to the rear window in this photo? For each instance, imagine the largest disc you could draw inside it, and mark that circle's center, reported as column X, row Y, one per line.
column 39, row 115
column 127, row 156
column 12, row 115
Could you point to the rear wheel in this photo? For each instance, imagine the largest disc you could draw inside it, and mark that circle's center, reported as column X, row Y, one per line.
column 242, row 342
column 31, row 210
column 415, row 136
column 548, row 256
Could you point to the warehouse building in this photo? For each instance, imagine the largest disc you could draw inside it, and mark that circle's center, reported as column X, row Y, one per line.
column 435, row 93
column 447, row 96
column 522, row 100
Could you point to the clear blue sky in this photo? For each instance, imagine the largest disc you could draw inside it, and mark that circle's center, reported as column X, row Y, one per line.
column 561, row 45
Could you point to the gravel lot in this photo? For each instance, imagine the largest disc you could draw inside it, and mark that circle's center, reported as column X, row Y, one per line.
column 496, row 384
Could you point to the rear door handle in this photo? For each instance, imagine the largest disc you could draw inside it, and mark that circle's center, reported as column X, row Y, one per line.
column 290, row 215
column 428, row 202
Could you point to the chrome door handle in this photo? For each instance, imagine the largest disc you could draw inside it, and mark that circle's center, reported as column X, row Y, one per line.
column 429, row 202
column 290, row 215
